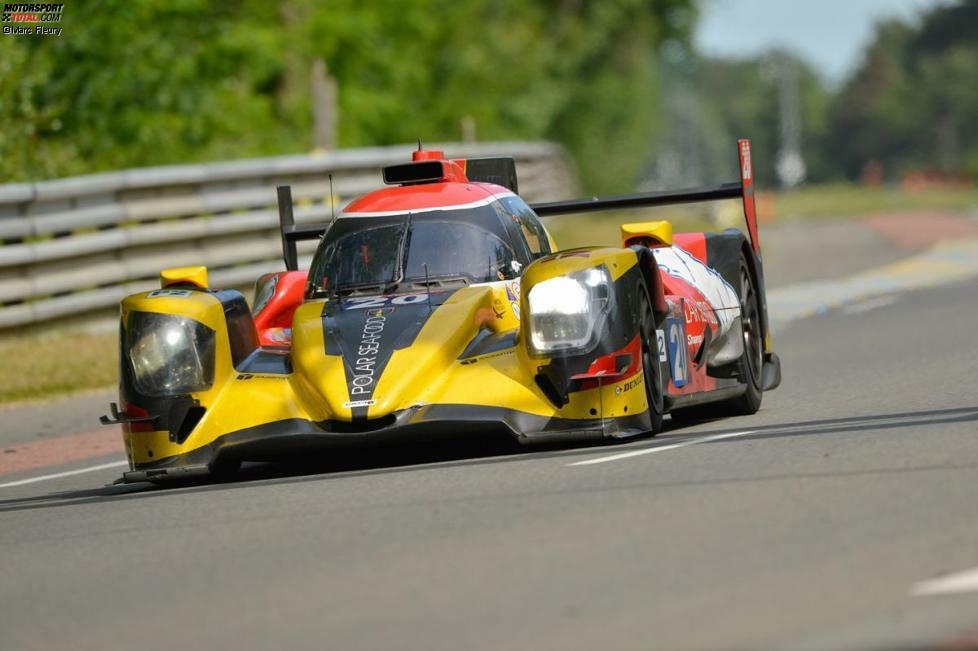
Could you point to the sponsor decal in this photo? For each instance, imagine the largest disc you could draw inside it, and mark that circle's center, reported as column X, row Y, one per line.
column 676, row 339
column 359, row 403
column 368, row 348
column 370, row 302
column 660, row 344
column 516, row 308
column 473, row 360
column 745, row 173
column 513, row 290
column 498, row 308
column 699, row 311
column 369, row 332
column 694, row 340
column 631, row 384
column 366, row 331
column 262, row 376
column 170, row 293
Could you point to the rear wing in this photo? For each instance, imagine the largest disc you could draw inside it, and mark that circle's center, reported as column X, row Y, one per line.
column 503, row 171
column 743, row 189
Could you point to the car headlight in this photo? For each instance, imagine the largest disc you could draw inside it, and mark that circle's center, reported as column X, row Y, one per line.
column 566, row 312
column 170, row 355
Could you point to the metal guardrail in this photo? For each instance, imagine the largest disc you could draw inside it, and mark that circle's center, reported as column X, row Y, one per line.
column 78, row 245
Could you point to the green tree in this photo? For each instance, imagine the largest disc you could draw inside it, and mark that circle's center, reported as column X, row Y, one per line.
column 145, row 82
column 912, row 102
column 739, row 98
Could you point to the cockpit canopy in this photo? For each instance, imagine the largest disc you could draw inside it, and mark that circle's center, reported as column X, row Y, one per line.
column 379, row 254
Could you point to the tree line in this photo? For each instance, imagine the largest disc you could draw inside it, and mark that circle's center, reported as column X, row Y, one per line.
column 148, row 82
column 910, row 106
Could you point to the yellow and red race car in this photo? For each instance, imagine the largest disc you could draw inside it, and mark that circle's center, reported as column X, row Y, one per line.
column 441, row 304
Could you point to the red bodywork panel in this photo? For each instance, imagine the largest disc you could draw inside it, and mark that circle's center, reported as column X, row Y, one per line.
column 689, row 305
column 425, row 196
column 277, row 296
column 615, row 366
column 694, row 243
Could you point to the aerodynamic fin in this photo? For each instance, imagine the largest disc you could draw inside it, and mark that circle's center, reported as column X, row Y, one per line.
column 292, row 233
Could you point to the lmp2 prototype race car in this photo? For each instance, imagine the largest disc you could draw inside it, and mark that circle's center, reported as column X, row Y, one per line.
column 442, row 305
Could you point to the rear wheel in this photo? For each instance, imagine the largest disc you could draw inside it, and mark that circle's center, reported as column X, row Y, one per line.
column 752, row 361
column 651, row 368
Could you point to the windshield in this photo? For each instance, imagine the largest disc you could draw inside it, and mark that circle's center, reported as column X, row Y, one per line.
column 378, row 258
column 362, row 258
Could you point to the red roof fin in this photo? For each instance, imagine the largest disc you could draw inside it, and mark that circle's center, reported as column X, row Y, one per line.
column 427, row 154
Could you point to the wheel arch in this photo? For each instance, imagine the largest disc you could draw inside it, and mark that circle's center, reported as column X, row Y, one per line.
column 724, row 251
column 653, row 282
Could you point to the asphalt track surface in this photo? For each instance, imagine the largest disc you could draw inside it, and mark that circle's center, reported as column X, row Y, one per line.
column 858, row 481
column 815, row 524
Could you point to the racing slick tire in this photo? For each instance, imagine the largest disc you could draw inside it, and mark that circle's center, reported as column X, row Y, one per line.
column 651, row 367
column 750, row 364
column 752, row 361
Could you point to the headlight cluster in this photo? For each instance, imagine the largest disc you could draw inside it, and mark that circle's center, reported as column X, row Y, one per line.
column 566, row 311
column 169, row 355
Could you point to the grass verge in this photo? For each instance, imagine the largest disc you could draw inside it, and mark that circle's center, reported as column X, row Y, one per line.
column 806, row 202
column 43, row 366
column 603, row 229
column 844, row 200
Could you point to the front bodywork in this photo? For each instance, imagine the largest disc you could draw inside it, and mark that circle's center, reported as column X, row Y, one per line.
column 383, row 367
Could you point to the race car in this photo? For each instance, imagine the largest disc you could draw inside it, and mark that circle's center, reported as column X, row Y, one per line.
column 441, row 304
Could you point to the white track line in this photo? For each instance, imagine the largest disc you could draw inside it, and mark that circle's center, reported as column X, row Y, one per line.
column 868, row 305
column 661, row 448
column 957, row 583
column 67, row 473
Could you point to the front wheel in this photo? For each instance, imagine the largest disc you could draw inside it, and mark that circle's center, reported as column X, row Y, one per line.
column 651, row 368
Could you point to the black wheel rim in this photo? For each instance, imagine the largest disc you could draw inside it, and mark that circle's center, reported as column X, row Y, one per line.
column 750, row 317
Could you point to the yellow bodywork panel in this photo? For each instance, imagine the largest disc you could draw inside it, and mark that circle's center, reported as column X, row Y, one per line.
column 660, row 231
column 320, row 379
column 194, row 275
column 617, row 261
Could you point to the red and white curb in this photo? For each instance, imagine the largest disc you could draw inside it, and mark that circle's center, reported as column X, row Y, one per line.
column 48, row 453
